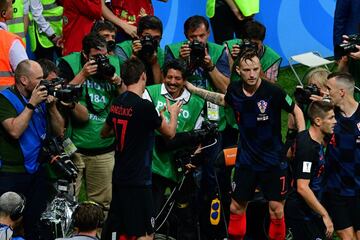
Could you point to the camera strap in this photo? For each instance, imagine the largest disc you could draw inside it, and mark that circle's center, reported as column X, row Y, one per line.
column 89, row 104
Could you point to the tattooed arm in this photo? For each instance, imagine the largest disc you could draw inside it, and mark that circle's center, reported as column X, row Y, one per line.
column 214, row 97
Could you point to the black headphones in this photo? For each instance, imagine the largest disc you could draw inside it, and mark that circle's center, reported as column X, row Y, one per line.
column 18, row 211
column 100, row 213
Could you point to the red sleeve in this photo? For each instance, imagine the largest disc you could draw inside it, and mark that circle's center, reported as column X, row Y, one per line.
column 90, row 8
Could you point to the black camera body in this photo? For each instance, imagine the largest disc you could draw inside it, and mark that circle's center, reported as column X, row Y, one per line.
column 110, row 45
column 51, row 85
column 53, row 151
column 65, row 93
column 350, row 46
column 104, row 68
column 247, row 44
column 148, row 46
column 207, row 134
column 197, row 53
column 69, row 93
column 302, row 94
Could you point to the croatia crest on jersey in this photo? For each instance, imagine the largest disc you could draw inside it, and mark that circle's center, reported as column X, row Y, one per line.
column 262, row 105
column 358, row 125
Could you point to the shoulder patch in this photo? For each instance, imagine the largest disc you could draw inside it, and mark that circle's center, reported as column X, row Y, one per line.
column 306, row 167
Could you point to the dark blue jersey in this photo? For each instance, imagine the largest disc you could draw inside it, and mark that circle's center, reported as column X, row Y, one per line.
column 343, row 172
column 134, row 121
column 309, row 163
column 259, row 121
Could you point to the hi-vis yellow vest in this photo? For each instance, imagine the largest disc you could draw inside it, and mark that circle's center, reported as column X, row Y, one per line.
column 53, row 15
column 247, row 7
column 16, row 24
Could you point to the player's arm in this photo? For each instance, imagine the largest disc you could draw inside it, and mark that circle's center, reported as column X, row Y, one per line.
column 216, row 98
column 299, row 118
column 168, row 129
column 107, row 131
column 308, row 195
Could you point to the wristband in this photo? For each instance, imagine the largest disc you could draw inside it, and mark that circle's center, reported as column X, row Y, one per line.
column 30, row 106
column 210, row 69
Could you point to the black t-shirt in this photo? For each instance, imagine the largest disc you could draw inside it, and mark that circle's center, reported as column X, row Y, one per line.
column 309, row 163
column 134, row 121
column 259, row 121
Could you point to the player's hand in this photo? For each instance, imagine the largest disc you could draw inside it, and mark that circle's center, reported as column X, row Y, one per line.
column 329, row 226
column 175, row 108
column 189, row 86
column 185, row 51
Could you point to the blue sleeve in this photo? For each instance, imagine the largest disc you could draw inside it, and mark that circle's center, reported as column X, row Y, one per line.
column 121, row 54
column 168, row 54
column 223, row 64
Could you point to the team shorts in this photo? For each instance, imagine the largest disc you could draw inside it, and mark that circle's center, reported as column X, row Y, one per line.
column 306, row 229
column 344, row 211
column 131, row 211
column 273, row 183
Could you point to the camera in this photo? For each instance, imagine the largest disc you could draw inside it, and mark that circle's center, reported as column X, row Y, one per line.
column 53, row 152
column 350, row 47
column 302, row 94
column 104, row 68
column 148, row 46
column 110, row 46
column 208, row 133
column 197, row 53
column 247, row 44
column 65, row 93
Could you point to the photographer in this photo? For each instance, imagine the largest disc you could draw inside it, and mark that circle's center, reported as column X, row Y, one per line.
column 209, row 67
column 23, row 116
column 164, row 167
column 87, row 218
column 98, row 73
column 306, row 217
column 315, row 90
column 255, row 33
column 108, row 31
column 146, row 47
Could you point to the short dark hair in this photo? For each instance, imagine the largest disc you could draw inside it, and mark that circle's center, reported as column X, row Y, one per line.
column 245, row 55
column 101, row 25
column 176, row 64
column 93, row 40
column 22, row 69
column 254, row 30
column 88, row 216
column 194, row 22
column 48, row 67
column 319, row 109
column 149, row 22
column 131, row 70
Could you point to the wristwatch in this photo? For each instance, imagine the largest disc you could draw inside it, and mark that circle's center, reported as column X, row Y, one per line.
column 30, row 106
